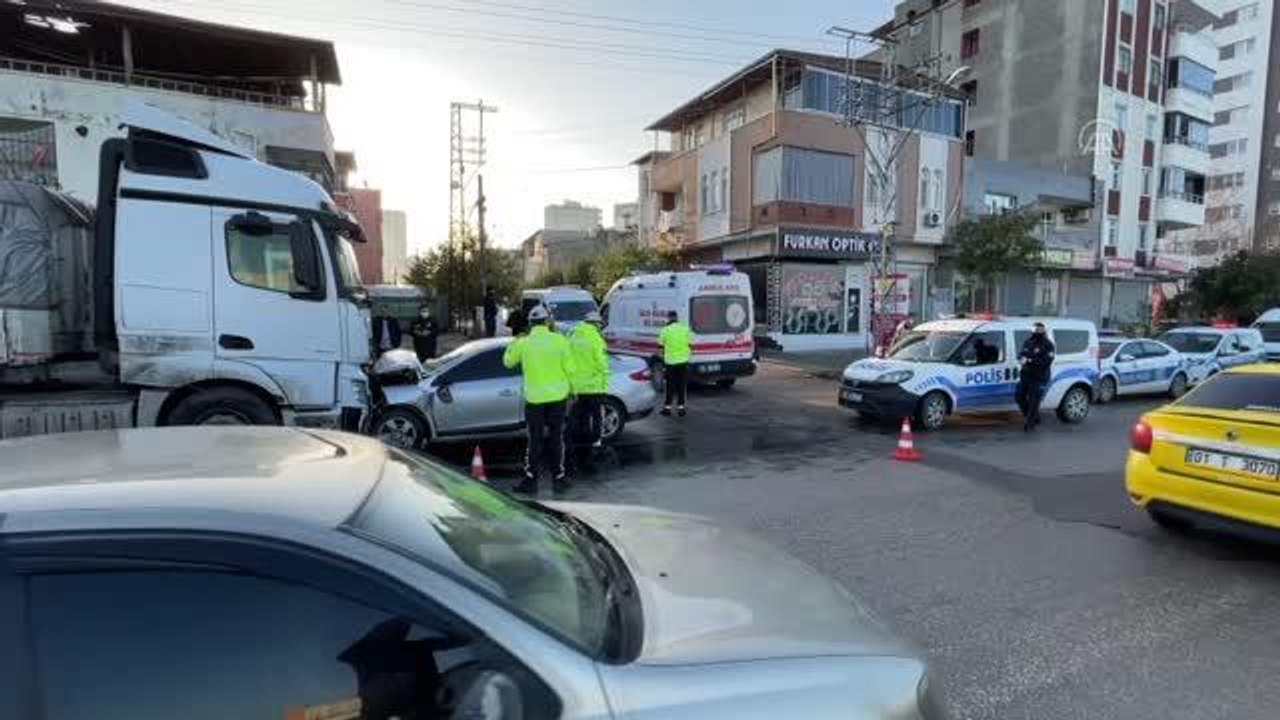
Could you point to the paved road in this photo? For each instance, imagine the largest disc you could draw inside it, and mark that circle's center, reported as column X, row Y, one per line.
column 1015, row 562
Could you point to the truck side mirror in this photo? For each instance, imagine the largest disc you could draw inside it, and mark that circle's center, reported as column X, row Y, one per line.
column 306, row 263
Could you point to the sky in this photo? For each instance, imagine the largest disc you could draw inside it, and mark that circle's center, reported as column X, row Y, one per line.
column 575, row 83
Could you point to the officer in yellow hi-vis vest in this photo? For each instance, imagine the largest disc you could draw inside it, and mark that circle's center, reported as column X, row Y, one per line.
column 546, row 361
column 676, row 340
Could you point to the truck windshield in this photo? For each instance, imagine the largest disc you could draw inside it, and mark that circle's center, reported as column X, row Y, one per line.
column 927, row 346
column 571, row 310
column 345, row 265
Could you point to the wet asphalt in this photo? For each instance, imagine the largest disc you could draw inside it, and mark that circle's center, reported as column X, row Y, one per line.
column 1014, row 562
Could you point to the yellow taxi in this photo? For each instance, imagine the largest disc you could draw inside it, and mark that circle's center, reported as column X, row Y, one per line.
column 1213, row 457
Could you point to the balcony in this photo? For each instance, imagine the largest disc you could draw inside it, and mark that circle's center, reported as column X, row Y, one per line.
column 1179, row 211
column 1189, row 102
column 1198, row 46
column 1186, row 153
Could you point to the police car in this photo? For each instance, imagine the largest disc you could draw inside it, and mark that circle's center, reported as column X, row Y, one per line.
column 971, row 365
column 1131, row 366
column 1209, row 350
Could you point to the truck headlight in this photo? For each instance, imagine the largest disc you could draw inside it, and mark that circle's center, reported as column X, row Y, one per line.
column 896, row 377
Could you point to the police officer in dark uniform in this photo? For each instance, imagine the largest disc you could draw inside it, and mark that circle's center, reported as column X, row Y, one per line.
column 1037, row 369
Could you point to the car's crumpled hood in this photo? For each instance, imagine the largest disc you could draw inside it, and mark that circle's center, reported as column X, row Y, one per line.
column 872, row 368
column 711, row 594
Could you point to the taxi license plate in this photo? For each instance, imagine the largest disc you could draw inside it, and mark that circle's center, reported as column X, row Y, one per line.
column 1268, row 469
column 850, row 396
column 711, row 368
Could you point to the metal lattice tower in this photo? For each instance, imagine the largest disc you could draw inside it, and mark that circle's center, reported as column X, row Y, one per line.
column 467, row 154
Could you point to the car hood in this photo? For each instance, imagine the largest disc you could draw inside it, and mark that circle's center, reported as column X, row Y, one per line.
column 872, row 368
column 710, row 594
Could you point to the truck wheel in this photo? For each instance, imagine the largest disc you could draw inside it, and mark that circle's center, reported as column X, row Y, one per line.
column 1074, row 407
column 222, row 406
column 613, row 418
column 401, row 428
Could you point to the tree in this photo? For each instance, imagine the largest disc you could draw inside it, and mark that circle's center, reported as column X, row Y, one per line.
column 988, row 248
column 1237, row 289
column 620, row 262
column 431, row 271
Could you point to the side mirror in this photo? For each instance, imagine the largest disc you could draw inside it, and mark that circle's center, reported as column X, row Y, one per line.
column 306, row 262
column 1126, row 357
column 485, row 694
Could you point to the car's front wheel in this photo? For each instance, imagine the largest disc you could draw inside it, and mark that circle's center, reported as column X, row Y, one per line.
column 1075, row 405
column 1107, row 390
column 401, row 428
column 932, row 412
column 613, row 418
column 1178, row 387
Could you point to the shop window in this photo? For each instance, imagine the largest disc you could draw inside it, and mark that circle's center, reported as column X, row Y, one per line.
column 1048, row 292
column 813, row 298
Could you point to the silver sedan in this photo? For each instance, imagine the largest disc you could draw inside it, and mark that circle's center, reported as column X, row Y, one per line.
column 469, row 394
column 273, row 572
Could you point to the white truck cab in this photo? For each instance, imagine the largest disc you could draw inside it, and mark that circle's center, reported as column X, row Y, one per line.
column 568, row 304
column 223, row 290
column 971, row 365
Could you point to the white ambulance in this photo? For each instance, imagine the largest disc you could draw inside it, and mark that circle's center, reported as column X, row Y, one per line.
column 716, row 304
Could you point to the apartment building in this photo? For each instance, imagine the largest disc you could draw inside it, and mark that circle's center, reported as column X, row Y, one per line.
column 572, row 216
column 1113, row 92
column 65, row 67
column 395, row 246
column 762, row 172
column 1243, row 190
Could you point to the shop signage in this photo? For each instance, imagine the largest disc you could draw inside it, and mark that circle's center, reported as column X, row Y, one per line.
column 827, row 244
column 1169, row 264
column 1057, row 257
column 1118, row 267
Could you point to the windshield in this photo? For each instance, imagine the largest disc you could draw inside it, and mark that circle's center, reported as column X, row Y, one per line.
column 346, row 266
column 1270, row 331
column 571, row 310
column 1237, row 392
column 1107, row 348
column 523, row 558
column 1191, row 342
column 919, row 346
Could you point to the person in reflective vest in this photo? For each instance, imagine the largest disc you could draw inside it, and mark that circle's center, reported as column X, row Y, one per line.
column 546, row 362
column 590, row 381
column 676, row 340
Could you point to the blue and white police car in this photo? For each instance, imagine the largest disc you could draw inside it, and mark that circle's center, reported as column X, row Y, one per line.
column 1209, row 350
column 1132, row 366
column 971, row 365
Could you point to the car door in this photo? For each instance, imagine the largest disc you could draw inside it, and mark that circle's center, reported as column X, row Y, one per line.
column 284, row 634
column 275, row 307
column 1127, row 363
column 1161, row 364
column 479, row 395
column 990, row 372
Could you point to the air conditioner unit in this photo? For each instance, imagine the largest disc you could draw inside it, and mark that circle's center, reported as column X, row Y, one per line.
column 932, row 219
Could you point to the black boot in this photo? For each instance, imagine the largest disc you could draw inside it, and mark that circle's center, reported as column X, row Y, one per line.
column 560, row 484
column 528, row 486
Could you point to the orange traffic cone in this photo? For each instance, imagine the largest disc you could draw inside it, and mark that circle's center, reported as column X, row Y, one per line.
column 906, row 451
column 477, row 466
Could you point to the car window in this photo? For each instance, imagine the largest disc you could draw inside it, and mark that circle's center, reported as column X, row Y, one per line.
column 1192, row 342
column 484, row 366
column 1270, row 331
column 1106, row 348
column 932, row 346
column 1154, row 350
column 219, row 646
column 984, row 348
column 1249, row 340
column 264, row 260
column 1236, row 391
column 571, row 310
column 1070, row 342
column 719, row 314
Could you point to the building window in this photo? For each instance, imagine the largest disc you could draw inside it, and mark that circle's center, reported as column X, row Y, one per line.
column 1124, row 61
column 705, row 195
column 28, row 151
column 1127, row 6
column 1153, row 126
column 970, row 90
column 1189, row 75
column 1113, row 233
column 1048, row 291
column 1229, row 148
column 1273, row 208
column 734, row 119
column 1122, row 117
column 1146, row 181
column 1155, row 79
column 926, row 193
column 1144, row 231
column 1248, row 12
column 970, row 43
column 1000, row 203
column 1159, row 17
column 938, row 189
column 688, row 138
column 1235, row 82
column 1117, row 175
column 970, row 142
column 792, row 174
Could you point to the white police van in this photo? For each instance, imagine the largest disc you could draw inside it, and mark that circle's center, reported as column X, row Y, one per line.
column 1211, row 349
column 1269, row 325
column 1135, row 366
column 971, row 365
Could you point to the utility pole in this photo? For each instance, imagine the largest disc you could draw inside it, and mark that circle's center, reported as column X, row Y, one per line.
column 482, row 236
column 467, row 154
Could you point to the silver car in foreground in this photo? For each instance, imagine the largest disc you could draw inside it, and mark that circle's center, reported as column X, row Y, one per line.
column 469, row 394
column 272, row 572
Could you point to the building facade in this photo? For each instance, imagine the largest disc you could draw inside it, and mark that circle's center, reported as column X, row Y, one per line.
column 395, row 246
column 54, row 116
column 1115, row 93
column 571, row 216
column 764, row 173
column 1242, row 193
column 626, row 216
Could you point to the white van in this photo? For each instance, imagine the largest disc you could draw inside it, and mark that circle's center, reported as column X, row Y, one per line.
column 1269, row 325
column 568, row 304
column 1210, row 349
column 715, row 302
column 971, row 365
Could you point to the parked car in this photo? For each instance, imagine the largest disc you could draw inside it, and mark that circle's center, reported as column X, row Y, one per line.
column 971, row 365
column 1210, row 350
column 1131, row 366
column 568, row 304
column 281, row 573
column 1269, row 325
column 469, row 394
column 1213, row 457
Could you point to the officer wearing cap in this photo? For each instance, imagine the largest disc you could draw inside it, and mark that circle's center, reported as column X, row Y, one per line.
column 546, row 362
column 590, row 379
